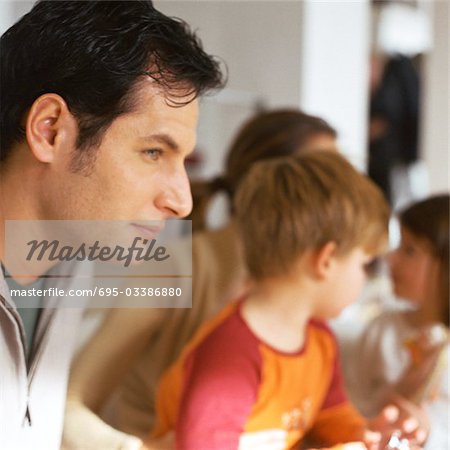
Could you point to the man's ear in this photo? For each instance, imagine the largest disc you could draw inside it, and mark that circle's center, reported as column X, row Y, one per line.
column 49, row 123
column 324, row 259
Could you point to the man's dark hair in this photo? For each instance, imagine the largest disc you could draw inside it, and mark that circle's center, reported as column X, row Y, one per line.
column 93, row 54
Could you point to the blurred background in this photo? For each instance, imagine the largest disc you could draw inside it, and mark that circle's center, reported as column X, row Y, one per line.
column 377, row 71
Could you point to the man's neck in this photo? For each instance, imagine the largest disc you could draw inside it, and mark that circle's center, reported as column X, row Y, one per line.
column 16, row 203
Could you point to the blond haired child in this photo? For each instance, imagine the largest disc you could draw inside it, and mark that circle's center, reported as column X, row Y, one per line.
column 268, row 363
column 405, row 352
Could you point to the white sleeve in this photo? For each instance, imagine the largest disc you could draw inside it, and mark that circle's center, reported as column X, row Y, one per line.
column 84, row 430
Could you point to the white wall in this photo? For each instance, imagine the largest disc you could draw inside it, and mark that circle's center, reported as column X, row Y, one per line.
column 334, row 72
column 436, row 101
column 6, row 16
column 11, row 11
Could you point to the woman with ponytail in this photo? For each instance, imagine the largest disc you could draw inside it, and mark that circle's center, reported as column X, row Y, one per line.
column 134, row 346
column 267, row 135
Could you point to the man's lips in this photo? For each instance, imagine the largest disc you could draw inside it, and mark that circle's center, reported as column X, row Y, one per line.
column 148, row 231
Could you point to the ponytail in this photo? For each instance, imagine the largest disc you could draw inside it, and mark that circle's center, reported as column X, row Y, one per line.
column 202, row 193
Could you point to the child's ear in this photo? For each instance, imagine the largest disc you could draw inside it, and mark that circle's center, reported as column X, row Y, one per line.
column 49, row 124
column 324, row 259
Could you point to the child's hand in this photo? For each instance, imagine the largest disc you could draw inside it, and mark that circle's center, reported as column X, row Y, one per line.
column 274, row 439
column 422, row 376
column 407, row 418
column 167, row 442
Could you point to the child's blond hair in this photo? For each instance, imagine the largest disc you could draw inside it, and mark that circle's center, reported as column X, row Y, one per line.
column 288, row 205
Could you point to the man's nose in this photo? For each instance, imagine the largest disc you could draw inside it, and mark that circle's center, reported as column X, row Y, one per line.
column 176, row 199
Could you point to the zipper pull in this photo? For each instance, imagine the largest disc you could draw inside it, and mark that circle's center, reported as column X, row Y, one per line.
column 27, row 417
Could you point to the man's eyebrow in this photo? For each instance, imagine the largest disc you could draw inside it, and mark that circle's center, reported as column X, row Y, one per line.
column 163, row 139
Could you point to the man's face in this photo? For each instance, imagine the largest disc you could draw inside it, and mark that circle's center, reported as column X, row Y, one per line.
column 138, row 173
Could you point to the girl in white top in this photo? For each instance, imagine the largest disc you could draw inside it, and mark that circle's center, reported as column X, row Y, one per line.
column 405, row 352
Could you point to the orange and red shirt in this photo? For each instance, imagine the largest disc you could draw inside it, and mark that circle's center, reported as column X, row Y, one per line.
column 228, row 382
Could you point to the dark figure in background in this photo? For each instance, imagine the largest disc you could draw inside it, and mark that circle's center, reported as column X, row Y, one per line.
column 394, row 113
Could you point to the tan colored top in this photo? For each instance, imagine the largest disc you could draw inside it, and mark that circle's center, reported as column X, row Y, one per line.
column 134, row 347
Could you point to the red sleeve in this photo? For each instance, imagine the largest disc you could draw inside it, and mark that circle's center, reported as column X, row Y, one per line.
column 220, row 388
